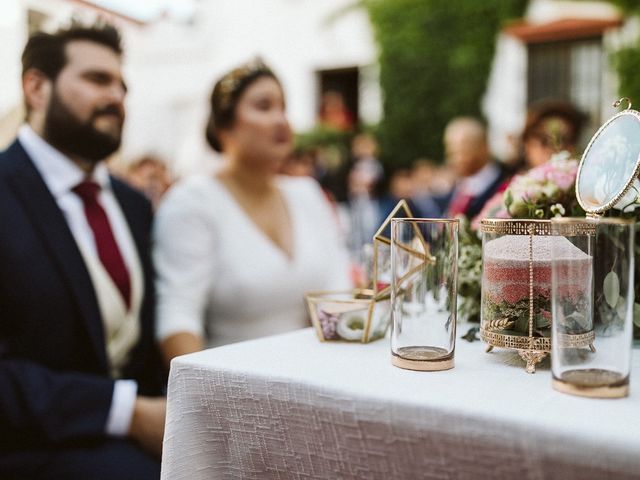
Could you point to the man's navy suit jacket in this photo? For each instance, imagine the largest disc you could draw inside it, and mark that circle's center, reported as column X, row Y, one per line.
column 55, row 385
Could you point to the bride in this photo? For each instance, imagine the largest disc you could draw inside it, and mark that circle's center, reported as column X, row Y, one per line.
column 235, row 251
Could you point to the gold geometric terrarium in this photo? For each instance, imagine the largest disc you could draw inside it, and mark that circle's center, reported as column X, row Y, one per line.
column 516, row 286
column 362, row 314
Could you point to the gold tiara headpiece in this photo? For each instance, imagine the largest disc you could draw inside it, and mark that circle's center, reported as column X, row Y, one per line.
column 230, row 83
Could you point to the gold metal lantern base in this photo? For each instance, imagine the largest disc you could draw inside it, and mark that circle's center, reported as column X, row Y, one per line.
column 534, row 349
column 531, row 350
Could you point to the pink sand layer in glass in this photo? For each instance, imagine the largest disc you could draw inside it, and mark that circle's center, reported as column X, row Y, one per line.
column 506, row 268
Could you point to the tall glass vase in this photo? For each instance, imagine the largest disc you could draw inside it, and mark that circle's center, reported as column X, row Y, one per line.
column 424, row 263
column 600, row 369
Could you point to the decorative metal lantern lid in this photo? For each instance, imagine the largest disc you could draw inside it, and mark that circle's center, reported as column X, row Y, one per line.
column 610, row 164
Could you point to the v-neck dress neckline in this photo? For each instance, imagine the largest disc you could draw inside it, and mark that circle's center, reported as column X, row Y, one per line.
column 251, row 225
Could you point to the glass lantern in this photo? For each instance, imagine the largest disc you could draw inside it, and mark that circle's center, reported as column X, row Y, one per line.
column 516, row 286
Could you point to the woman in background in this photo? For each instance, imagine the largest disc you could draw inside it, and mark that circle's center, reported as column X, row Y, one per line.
column 236, row 250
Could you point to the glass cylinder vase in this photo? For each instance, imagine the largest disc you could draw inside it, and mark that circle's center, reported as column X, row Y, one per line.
column 601, row 368
column 424, row 263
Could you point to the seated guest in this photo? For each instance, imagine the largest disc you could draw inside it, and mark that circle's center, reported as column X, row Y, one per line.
column 551, row 126
column 478, row 176
column 79, row 375
column 235, row 251
column 150, row 175
column 300, row 163
column 429, row 183
column 361, row 211
column 400, row 187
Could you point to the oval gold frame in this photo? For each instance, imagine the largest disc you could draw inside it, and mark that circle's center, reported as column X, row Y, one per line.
column 636, row 172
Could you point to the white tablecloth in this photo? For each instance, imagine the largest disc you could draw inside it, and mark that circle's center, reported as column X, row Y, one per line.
column 289, row 406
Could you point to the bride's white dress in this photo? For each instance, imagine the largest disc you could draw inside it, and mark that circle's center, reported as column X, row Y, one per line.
column 220, row 276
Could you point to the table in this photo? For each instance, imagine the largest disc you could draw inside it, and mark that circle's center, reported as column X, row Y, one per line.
column 289, row 406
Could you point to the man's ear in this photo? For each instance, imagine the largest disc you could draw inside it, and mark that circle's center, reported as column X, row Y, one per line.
column 37, row 90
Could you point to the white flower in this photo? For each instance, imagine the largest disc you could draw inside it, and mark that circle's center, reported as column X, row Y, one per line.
column 350, row 327
column 557, row 210
column 560, row 157
column 550, row 190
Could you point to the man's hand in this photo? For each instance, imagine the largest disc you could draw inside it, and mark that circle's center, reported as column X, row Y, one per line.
column 147, row 424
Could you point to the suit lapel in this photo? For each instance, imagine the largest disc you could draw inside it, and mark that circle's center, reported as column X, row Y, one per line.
column 49, row 220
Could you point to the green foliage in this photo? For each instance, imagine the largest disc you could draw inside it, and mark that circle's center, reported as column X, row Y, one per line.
column 627, row 64
column 469, row 272
column 322, row 137
column 518, row 316
column 626, row 61
column 631, row 6
column 435, row 57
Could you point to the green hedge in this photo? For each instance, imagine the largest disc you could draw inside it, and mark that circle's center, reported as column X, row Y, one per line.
column 435, row 57
column 627, row 60
column 627, row 64
column 630, row 6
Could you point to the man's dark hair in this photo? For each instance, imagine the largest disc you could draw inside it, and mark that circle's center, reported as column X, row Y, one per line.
column 46, row 51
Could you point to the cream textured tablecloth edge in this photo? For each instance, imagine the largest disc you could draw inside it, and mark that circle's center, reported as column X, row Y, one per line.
column 486, row 393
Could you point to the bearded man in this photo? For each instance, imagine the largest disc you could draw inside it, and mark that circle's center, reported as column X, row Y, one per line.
column 79, row 375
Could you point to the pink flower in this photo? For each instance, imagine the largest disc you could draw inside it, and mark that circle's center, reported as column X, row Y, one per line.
column 494, row 208
column 564, row 180
column 542, row 187
column 539, row 174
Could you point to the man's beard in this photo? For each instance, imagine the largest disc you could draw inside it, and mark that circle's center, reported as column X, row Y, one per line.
column 66, row 132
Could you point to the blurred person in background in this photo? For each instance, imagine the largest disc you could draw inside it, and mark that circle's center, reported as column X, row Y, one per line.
column 235, row 251
column 428, row 183
column 300, row 163
column 150, row 175
column 334, row 113
column 360, row 211
column 423, row 172
column 551, row 127
column 80, row 378
column 401, row 185
column 478, row 176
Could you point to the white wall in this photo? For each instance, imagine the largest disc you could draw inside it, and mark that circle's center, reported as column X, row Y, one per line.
column 12, row 37
column 505, row 101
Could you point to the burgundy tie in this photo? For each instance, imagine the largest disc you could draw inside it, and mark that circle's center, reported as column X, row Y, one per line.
column 459, row 204
column 106, row 245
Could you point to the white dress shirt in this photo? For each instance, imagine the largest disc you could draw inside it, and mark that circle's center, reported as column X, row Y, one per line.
column 60, row 175
column 476, row 184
